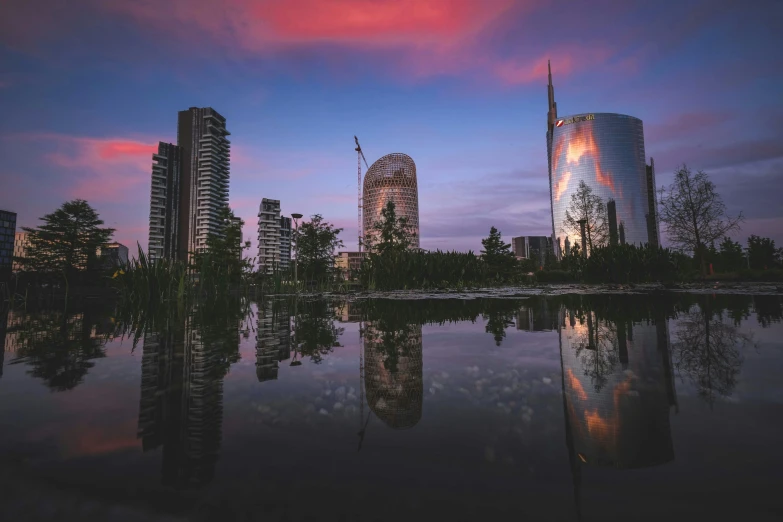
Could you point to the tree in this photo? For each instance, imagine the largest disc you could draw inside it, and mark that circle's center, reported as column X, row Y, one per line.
column 67, row 241
column 694, row 213
column 762, row 253
column 391, row 233
column 588, row 207
column 496, row 253
column 223, row 253
column 731, row 256
column 315, row 243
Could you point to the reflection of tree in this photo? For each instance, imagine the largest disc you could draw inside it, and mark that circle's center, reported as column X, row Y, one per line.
column 768, row 308
column 708, row 351
column 595, row 344
column 315, row 333
column 59, row 347
column 393, row 372
column 499, row 316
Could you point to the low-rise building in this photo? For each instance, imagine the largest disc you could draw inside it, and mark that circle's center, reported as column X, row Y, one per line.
column 113, row 255
column 532, row 247
column 349, row 263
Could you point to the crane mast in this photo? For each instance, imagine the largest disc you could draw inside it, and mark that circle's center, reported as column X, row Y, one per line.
column 359, row 158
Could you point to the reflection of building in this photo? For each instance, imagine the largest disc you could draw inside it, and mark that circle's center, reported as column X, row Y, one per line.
column 114, row 254
column 181, row 407
column 3, row 327
column 536, row 317
column 273, row 341
column 285, row 243
column 7, row 233
column 393, row 374
column 618, row 389
column 348, row 313
column 531, row 247
column 268, row 235
column 391, row 178
column 349, row 262
column 606, row 151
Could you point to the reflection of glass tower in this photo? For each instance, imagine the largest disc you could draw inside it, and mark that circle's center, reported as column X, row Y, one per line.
column 393, row 377
column 181, row 405
column 617, row 392
column 617, row 388
column 273, row 341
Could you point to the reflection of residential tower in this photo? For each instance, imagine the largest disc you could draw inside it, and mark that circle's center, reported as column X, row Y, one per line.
column 273, row 341
column 181, row 407
column 393, row 378
column 3, row 327
column 617, row 393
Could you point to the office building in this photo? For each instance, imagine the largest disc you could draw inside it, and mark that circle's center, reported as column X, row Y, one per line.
column 611, row 215
column 606, row 151
column 189, row 185
column 393, row 177
column 653, row 230
column 531, row 247
column 349, row 263
column 21, row 242
column 7, row 236
column 113, row 255
column 285, row 243
column 269, row 236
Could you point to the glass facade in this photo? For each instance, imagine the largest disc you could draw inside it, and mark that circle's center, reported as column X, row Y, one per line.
column 393, row 177
column 606, row 151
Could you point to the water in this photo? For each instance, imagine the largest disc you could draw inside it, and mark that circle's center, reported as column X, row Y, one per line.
column 603, row 407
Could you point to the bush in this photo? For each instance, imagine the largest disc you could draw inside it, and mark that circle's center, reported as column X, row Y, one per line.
column 554, row 276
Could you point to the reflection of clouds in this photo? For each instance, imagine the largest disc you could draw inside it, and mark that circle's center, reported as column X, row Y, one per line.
column 620, row 417
column 393, row 376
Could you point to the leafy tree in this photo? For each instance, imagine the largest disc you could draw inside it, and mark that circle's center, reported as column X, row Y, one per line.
column 314, row 243
column 694, row 213
column 589, row 207
column 762, row 252
column 496, row 253
column 731, row 256
column 222, row 257
column 67, row 241
column 390, row 233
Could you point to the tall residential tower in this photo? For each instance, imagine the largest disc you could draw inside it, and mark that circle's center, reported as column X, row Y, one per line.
column 189, row 185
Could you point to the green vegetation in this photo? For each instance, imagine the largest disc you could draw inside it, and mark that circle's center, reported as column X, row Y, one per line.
column 315, row 243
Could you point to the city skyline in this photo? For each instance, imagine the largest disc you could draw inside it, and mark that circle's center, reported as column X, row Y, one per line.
column 460, row 88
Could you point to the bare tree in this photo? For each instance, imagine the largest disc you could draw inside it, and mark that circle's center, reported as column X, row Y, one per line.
column 694, row 213
column 588, row 207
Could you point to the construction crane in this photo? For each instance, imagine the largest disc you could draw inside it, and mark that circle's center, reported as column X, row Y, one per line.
column 359, row 158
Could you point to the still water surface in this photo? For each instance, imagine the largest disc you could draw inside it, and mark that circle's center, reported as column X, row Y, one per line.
column 610, row 407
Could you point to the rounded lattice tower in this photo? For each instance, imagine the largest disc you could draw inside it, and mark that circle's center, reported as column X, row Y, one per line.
column 393, row 177
column 393, row 375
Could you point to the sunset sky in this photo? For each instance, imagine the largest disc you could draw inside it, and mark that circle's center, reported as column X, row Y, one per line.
column 88, row 88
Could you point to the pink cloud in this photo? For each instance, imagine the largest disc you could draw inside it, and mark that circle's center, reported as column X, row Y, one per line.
column 101, row 168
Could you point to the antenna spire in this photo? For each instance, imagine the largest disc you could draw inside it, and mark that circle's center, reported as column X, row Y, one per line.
column 552, row 114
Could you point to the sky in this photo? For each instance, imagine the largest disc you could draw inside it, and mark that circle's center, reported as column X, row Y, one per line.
column 89, row 87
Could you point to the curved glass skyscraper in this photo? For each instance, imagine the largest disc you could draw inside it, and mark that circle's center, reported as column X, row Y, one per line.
column 606, row 151
column 392, row 177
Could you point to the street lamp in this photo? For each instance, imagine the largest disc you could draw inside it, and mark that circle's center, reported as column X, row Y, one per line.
column 296, row 259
